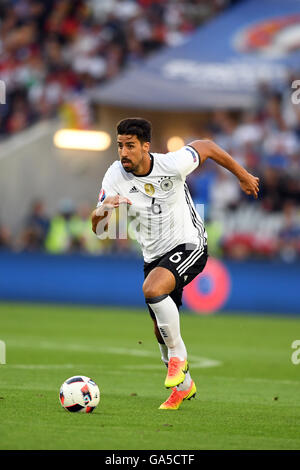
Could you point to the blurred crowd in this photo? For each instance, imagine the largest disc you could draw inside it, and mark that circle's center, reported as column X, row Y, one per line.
column 265, row 140
column 53, row 51
column 68, row 231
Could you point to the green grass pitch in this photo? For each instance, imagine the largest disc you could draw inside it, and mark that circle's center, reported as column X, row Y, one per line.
column 248, row 393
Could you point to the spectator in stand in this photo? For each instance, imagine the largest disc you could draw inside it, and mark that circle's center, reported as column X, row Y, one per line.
column 5, row 238
column 35, row 230
column 39, row 220
column 289, row 235
column 63, row 232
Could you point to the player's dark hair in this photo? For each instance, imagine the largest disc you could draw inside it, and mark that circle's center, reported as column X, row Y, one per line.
column 135, row 126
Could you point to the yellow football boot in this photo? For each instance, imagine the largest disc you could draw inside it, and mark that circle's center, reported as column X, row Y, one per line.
column 176, row 372
column 177, row 396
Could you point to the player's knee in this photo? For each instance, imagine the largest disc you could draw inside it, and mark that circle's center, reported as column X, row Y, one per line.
column 151, row 290
column 148, row 291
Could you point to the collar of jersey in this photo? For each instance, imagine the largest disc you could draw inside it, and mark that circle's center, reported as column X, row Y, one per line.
column 151, row 168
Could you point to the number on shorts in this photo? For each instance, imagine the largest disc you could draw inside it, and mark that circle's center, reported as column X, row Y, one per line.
column 176, row 257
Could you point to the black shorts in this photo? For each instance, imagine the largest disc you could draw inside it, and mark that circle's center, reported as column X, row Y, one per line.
column 185, row 262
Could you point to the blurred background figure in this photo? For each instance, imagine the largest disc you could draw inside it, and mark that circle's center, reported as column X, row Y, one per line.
column 289, row 235
column 5, row 238
column 35, row 230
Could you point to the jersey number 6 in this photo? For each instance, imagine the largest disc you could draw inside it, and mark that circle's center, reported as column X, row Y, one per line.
column 155, row 207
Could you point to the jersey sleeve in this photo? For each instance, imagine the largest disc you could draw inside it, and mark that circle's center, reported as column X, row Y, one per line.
column 185, row 160
column 108, row 188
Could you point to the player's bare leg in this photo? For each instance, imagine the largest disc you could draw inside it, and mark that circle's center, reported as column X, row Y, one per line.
column 158, row 282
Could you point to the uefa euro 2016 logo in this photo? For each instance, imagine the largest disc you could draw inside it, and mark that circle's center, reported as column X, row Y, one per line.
column 2, row 92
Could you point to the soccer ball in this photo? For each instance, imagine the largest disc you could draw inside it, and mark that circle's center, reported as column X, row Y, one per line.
column 79, row 393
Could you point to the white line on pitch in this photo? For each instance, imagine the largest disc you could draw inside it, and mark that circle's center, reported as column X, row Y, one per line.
column 154, row 367
column 195, row 361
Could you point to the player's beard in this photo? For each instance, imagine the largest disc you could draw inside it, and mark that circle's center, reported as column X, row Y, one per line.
column 128, row 169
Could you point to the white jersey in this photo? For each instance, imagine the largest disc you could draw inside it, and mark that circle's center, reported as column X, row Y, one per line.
column 161, row 202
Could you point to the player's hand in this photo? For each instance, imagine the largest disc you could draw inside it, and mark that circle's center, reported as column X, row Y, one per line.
column 250, row 185
column 111, row 202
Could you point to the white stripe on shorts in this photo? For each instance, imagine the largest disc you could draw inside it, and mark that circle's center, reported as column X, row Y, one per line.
column 191, row 259
column 190, row 264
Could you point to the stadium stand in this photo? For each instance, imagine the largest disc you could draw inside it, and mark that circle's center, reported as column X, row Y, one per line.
column 51, row 50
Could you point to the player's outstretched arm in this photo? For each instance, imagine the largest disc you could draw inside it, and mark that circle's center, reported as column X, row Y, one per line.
column 209, row 149
column 104, row 211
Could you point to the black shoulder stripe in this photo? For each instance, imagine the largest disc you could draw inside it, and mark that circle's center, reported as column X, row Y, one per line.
column 199, row 158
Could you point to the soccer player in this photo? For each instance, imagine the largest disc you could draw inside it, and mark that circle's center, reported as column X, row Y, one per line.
column 171, row 233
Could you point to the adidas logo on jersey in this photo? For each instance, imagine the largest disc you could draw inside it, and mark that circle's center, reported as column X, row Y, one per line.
column 134, row 190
